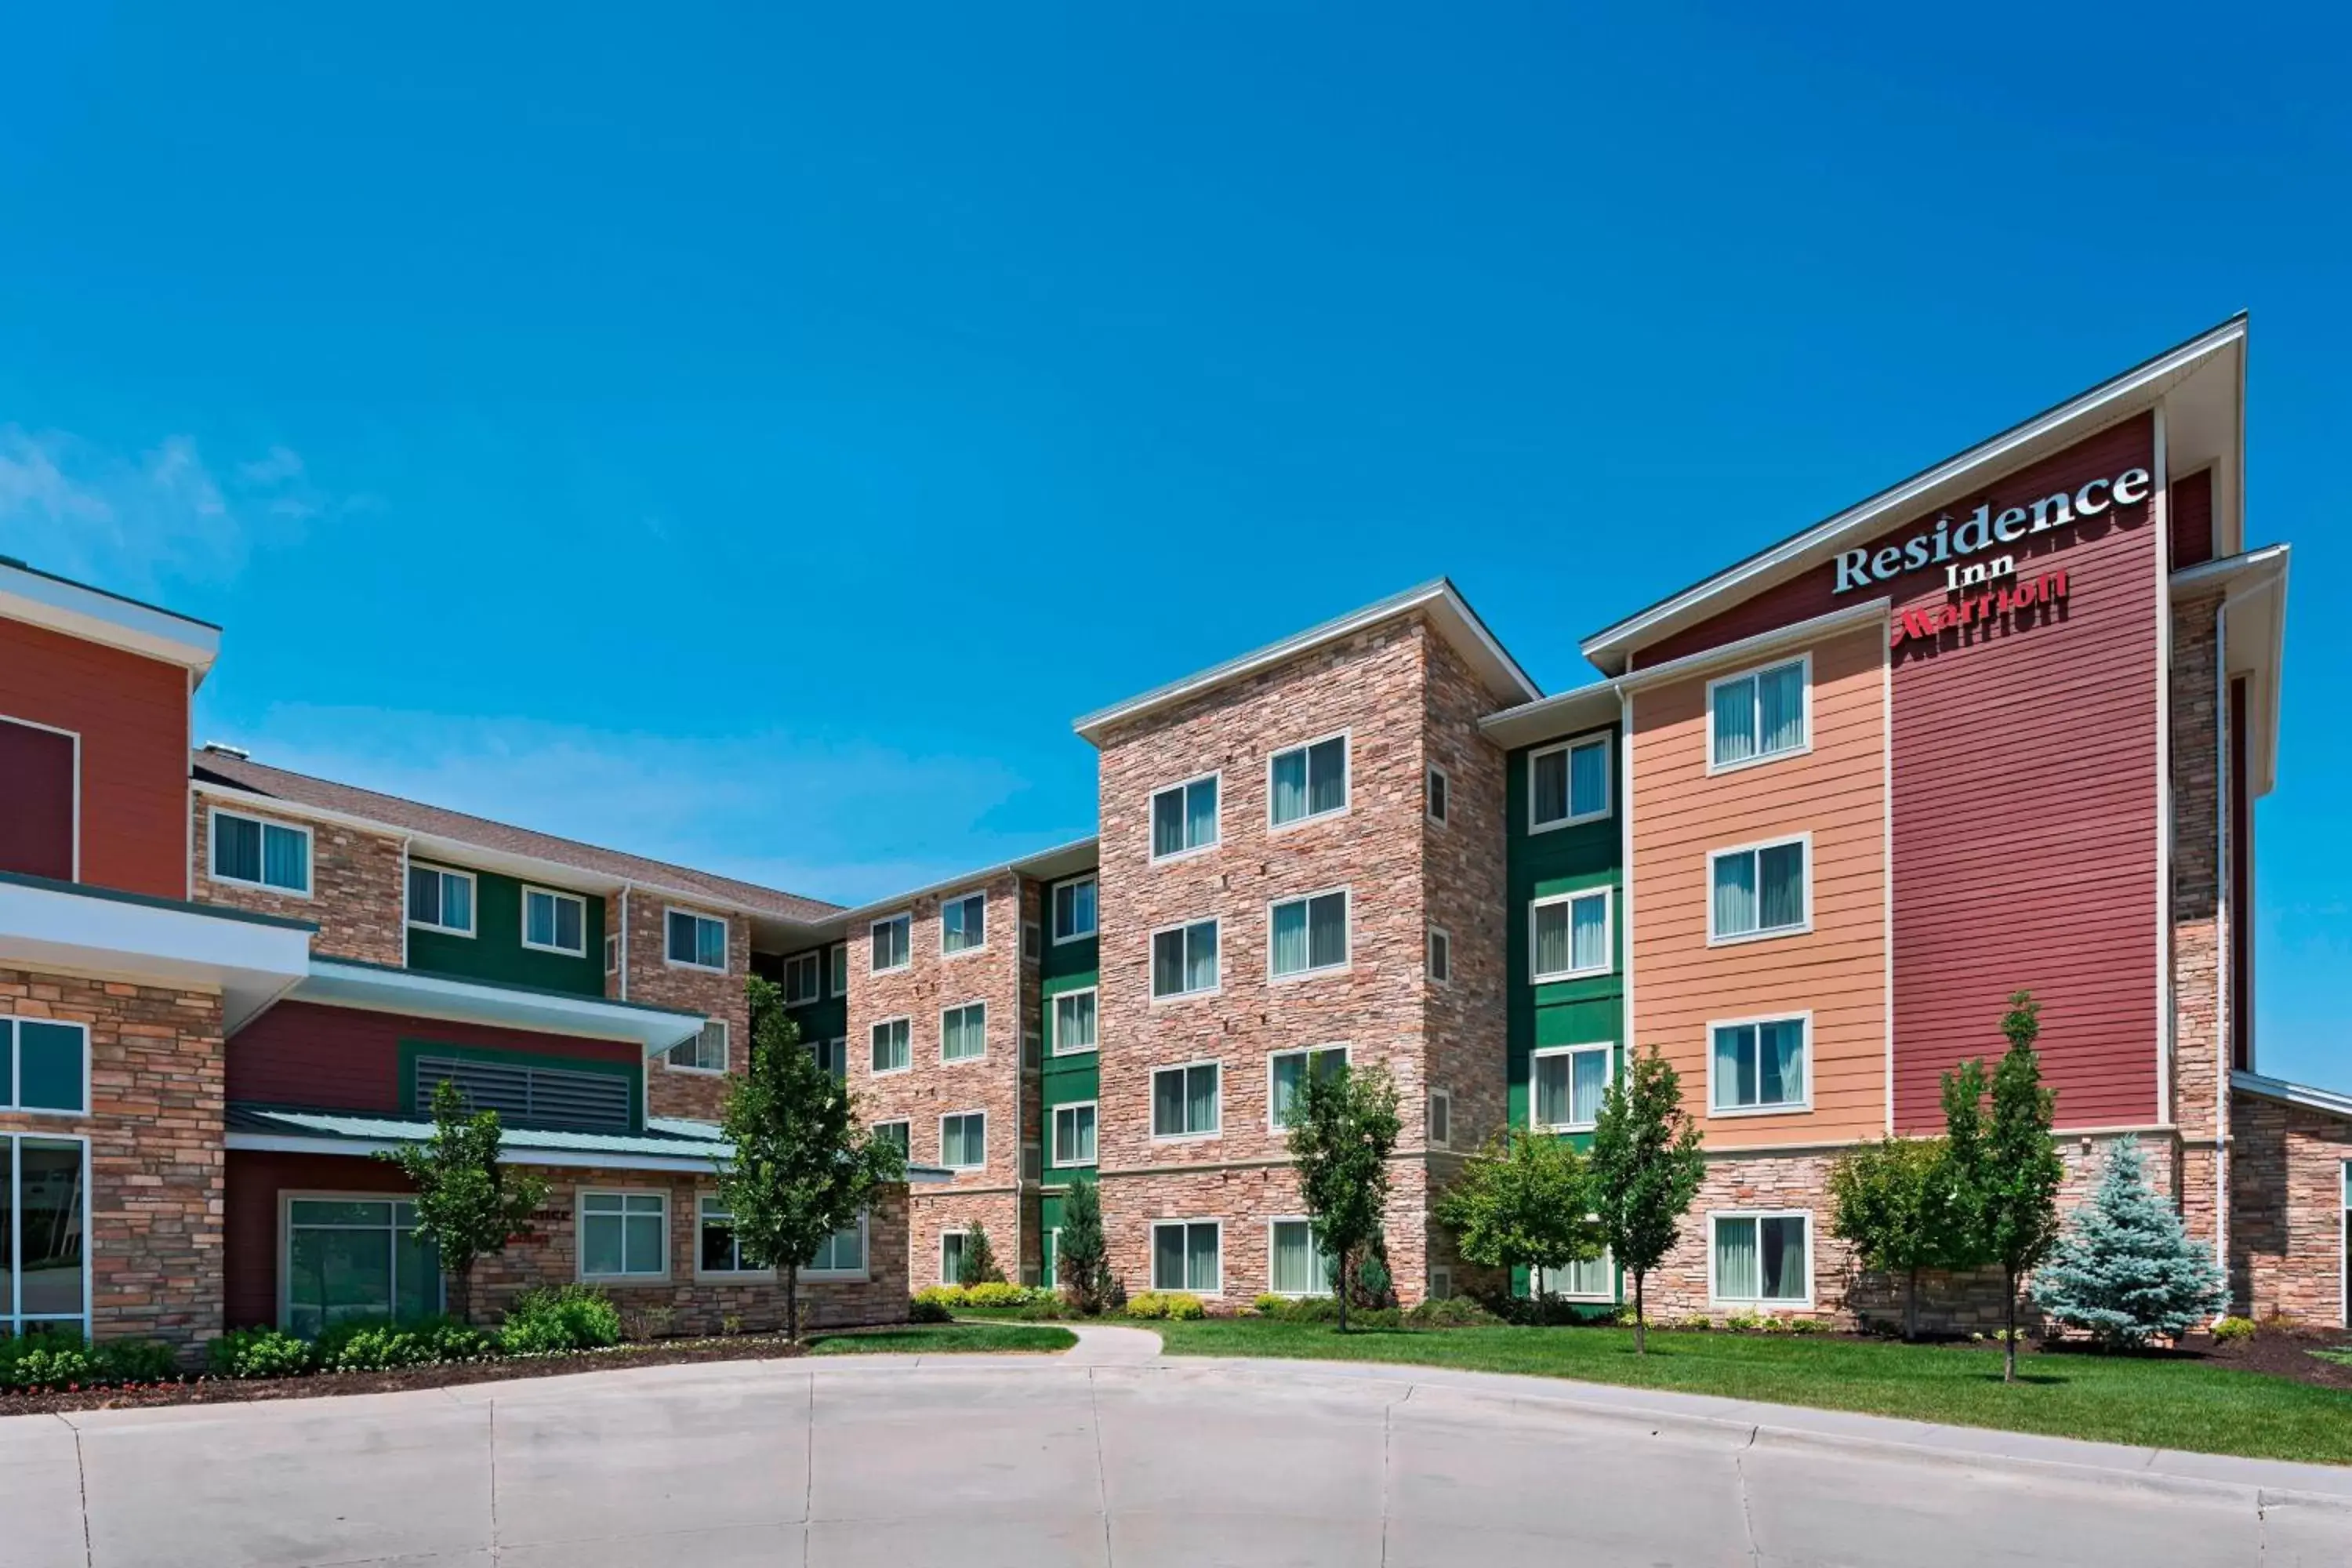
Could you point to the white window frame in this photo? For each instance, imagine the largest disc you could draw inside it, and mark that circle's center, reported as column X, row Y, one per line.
column 725, row 1051
column 903, row 964
column 612, row 953
column 968, row 896
column 12, row 1091
column 1608, row 897
column 1271, row 1222
column 1346, row 781
column 1608, row 1295
column 1757, row 847
column 836, row 969
column 1313, row 972
column 961, row 1237
column 579, row 1244
column 1346, row 1054
column 1608, row 1077
column 1575, row 819
column 1053, row 908
column 873, row 1071
column 16, row 1199
column 1441, row 1282
column 1053, row 1008
column 1150, row 814
column 1152, row 1257
column 875, row 1128
column 559, row 895
column 813, row 963
column 1438, row 1097
column 703, row 1203
column 75, row 737
column 847, row 1276
column 726, row 938
column 1805, row 660
column 212, row 853
column 1788, row 1108
column 1439, row 940
column 982, row 1056
column 1151, row 955
column 1152, row 1087
column 472, row 900
column 1443, row 817
column 945, row 1116
column 1055, row 1134
column 1769, row 1303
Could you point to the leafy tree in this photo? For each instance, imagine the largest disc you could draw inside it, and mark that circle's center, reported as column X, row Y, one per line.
column 801, row 1169
column 1897, row 1202
column 2008, row 1170
column 1346, row 1128
column 1081, row 1257
column 1523, row 1204
column 1646, row 1169
column 2125, row 1269
column 467, row 1204
column 976, row 1264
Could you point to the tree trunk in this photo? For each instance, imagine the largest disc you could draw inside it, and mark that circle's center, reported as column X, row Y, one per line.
column 461, row 1291
column 1640, row 1317
column 2009, row 1343
column 1911, row 1306
column 1345, row 1282
column 793, row 1302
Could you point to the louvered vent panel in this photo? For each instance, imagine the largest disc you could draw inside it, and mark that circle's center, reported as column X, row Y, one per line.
column 532, row 1096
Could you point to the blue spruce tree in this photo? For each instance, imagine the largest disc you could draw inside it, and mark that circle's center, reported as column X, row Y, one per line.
column 2125, row 1269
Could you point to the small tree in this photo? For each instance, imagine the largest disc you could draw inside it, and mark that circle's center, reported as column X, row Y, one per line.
column 1646, row 1169
column 1897, row 1202
column 2006, row 1169
column 1081, row 1255
column 801, row 1169
column 468, row 1203
column 1522, row 1203
column 2125, row 1269
column 976, row 1264
column 1346, row 1128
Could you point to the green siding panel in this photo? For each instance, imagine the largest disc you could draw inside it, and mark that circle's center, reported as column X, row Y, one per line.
column 1067, row 1080
column 495, row 952
column 1565, row 859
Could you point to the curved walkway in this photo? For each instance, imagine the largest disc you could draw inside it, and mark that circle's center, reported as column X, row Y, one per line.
column 1081, row 1458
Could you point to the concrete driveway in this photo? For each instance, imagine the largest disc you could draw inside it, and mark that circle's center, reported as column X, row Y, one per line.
column 979, row 1460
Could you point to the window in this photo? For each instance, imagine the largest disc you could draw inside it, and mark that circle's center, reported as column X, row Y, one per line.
column 1441, row 1284
column 1298, row 1266
column 1759, row 891
column 1568, row 784
column 1441, row 1119
column 803, row 978
column 893, row 943
column 43, row 1066
column 1074, row 1134
column 1033, row 1052
column 557, row 923
column 832, row 1056
column 1032, row 1163
column 963, row 924
column 441, row 901
column 963, row 1032
column 1441, row 955
column 261, row 854
column 1287, row 1075
column 1758, row 1065
column 1436, row 797
column 1186, row 1255
column 40, row 801
column 895, row 1135
column 1758, row 715
column 1185, row 817
column 526, row 1093
column 1585, row 1280
column 357, row 1256
column 1310, row 935
column 1074, row 1021
column 1569, row 935
column 716, row 1248
column 1761, row 1257
column 44, row 1217
column 1184, row 959
column 1185, row 1101
column 698, row 942
column 951, row 1257
column 841, row 1255
column 963, row 1141
column 623, row 1236
column 706, row 1052
column 838, row 953
column 1032, row 940
column 1568, row 1083
column 612, row 955
column 1074, row 909
column 1308, row 782
column 893, row 1045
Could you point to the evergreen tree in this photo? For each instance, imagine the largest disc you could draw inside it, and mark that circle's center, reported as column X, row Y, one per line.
column 1646, row 1168
column 1897, row 1200
column 2008, row 1170
column 977, row 1264
column 1081, row 1257
column 1522, row 1204
column 2125, row 1269
column 1346, row 1128
column 468, row 1203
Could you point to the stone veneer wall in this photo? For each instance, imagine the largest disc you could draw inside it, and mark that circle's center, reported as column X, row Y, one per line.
column 2198, row 934
column 680, row 1091
column 157, row 1074
column 357, row 885
column 2287, row 1211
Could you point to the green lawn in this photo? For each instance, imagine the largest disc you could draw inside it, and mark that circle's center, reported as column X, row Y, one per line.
column 939, row 1339
column 2120, row 1399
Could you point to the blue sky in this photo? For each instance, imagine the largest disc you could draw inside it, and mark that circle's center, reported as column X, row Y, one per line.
column 751, row 437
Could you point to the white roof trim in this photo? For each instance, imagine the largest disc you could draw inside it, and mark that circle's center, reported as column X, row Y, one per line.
column 1047, row 865
column 1836, row 623
column 1447, row 608
column 95, row 615
column 417, row 994
column 1590, row 707
column 2302, row 1094
column 2102, row 405
column 296, row 1143
column 2225, row 567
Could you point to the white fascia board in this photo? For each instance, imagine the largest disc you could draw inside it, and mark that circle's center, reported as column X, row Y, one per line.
column 1554, row 718
column 371, row 989
column 364, row 1148
column 2287, row 1093
column 1046, row 866
column 250, row 963
column 101, row 617
column 1762, row 645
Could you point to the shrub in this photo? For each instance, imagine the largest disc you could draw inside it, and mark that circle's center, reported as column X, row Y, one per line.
column 1808, row 1326
column 572, row 1318
column 996, row 1293
column 2232, row 1328
column 1697, row 1322
column 378, row 1344
column 1744, row 1322
column 46, row 1361
column 1269, row 1305
column 259, row 1352
column 1170, row 1304
column 1772, row 1325
column 1453, row 1312
column 2126, row 1271
column 1043, row 1307
column 947, row 1298
column 926, row 1309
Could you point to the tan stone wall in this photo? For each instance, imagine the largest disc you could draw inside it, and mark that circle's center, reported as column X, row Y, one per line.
column 2287, row 1212
column 1464, row 893
column 1245, row 1200
column 933, row 1211
column 357, row 885
column 156, row 1079
column 678, row 1091
column 2199, row 1043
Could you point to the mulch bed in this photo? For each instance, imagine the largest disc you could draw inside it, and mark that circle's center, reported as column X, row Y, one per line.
column 2285, row 1353
column 443, row 1375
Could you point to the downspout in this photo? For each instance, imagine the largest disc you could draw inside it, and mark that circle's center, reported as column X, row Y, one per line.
column 405, row 840
column 625, row 942
column 2226, row 928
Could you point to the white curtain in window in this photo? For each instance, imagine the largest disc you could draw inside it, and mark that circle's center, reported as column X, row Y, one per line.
column 1168, row 1258
column 285, row 858
column 1327, row 775
column 1168, row 1102
column 1327, row 931
column 1735, row 1259
column 1548, row 782
column 1290, row 938
column 1589, row 781
column 1552, row 1094
column 1201, row 814
column 1290, row 787
column 1200, row 1257
column 1551, row 938
column 1735, row 894
column 1590, row 949
column 1300, row 1267
column 1780, row 1062
column 1782, row 868
column 1591, row 1082
column 1780, row 704
column 1168, row 822
column 1735, row 720
column 1201, row 1099
column 1200, row 956
column 1780, row 1274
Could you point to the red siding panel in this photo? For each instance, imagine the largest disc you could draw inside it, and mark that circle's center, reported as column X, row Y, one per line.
column 36, row 802
column 344, row 1058
column 249, row 1229
column 2191, row 522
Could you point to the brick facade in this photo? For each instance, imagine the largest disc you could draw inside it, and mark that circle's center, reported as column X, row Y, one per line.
column 2287, row 1219
column 2199, row 935
column 358, row 896
column 653, row 978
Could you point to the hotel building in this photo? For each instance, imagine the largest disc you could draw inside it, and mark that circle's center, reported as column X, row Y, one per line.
column 1999, row 726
